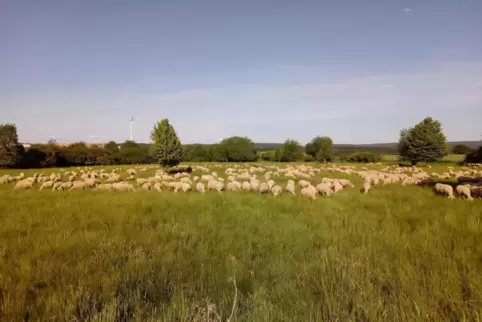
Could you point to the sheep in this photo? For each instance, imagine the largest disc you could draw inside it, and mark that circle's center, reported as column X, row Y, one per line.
column 57, row 186
column 445, row 189
column 309, row 192
column 276, row 190
column 91, row 183
column 336, row 186
column 304, row 183
column 270, row 183
column 345, row 183
column 66, row 185
column 141, row 181
column 464, row 191
column 255, row 185
column 4, row 180
column 185, row 187
column 246, row 186
column 233, row 186
column 186, row 180
column 264, row 188
column 366, row 187
column 157, row 186
column 146, row 186
column 78, row 185
column 123, row 186
column 131, row 172
column 46, row 184
column 200, row 187
column 290, row 187
column 103, row 187
column 24, row 184
column 324, row 189
column 215, row 185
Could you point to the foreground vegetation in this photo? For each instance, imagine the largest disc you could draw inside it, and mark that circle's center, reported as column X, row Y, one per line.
column 396, row 254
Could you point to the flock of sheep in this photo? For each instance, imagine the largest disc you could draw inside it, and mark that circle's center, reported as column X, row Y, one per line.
column 261, row 179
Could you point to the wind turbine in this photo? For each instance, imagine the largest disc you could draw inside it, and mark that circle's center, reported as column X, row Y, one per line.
column 131, row 123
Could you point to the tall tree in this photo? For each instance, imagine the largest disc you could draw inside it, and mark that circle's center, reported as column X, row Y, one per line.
column 292, row 151
column 10, row 149
column 320, row 148
column 166, row 148
column 237, row 149
column 425, row 142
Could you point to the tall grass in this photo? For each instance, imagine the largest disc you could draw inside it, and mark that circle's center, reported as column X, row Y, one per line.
column 396, row 254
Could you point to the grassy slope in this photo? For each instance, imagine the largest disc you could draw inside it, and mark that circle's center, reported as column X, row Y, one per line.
column 399, row 253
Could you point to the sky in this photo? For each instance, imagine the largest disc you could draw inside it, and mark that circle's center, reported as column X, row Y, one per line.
column 357, row 71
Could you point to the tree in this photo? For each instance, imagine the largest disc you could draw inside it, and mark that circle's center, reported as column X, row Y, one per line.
column 320, row 148
column 292, row 151
column 461, row 149
column 112, row 147
column 166, row 148
column 474, row 156
column 10, row 149
column 238, row 149
column 424, row 142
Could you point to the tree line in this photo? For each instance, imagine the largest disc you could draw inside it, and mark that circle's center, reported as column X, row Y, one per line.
column 424, row 142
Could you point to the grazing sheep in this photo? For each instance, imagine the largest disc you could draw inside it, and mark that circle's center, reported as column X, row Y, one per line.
column 309, row 192
column 185, row 187
column 123, row 186
column 264, row 188
column 464, row 191
column 255, row 185
column 366, row 187
column 290, row 187
column 200, row 187
column 46, row 185
column 233, row 186
column 246, row 186
column 304, row 183
column 78, row 185
column 4, row 180
column 141, row 181
column 66, row 185
column 146, row 186
column 345, row 183
column 157, row 186
column 336, row 186
column 91, row 183
column 324, row 189
column 186, row 180
column 24, row 184
column 57, row 186
column 276, row 190
column 103, row 187
column 215, row 185
column 270, row 183
column 445, row 189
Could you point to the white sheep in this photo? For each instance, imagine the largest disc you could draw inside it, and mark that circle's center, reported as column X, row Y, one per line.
column 215, row 185
column 200, row 187
column 366, row 187
column 146, row 186
column 336, row 186
column 309, row 192
column 46, row 185
column 304, row 183
column 233, row 186
column 464, row 191
column 246, row 186
column 157, row 186
column 24, row 184
column 57, row 186
column 78, row 185
column 123, row 186
column 324, row 188
column 103, row 187
column 290, row 187
column 263, row 188
column 445, row 189
column 276, row 190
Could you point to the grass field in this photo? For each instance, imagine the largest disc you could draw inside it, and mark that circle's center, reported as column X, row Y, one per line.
column 396, row 254
column 447, row 158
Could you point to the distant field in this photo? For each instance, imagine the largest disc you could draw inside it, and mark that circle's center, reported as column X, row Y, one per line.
column 396, row 254
column 448, row 158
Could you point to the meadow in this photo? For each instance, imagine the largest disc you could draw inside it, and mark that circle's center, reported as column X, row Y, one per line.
column 398, row 253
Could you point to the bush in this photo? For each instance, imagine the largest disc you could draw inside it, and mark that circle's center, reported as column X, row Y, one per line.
column 308, row 158
column 363, row 157
column 474, row 157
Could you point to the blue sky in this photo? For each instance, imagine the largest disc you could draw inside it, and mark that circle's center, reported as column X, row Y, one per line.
column 357, row 71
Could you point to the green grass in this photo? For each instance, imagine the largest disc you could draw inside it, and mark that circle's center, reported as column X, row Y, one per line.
column 447, row 158
column 396, row 254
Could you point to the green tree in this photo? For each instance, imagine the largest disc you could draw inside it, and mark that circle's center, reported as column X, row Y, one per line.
column 424, row 142
column 278, row 154
column 292, row 151
column 10, row 149
column 461, row 149
column 320, row 148
column 237, row 149
column 166, row 148
column 112, row 147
